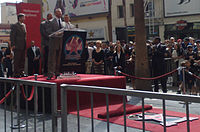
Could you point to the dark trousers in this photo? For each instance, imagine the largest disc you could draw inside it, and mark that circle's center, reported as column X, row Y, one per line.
column 19, row 61
column 1, row 70
column 55, row 49
column 45, row 59
column 8, row 65
column 33, row 67
column 162, row 80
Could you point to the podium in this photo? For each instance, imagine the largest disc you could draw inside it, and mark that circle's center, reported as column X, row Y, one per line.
column 74, row 54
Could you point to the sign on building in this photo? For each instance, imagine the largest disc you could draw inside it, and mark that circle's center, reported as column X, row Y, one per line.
column 95, row 34
column 181, row 7
column 86, row 7
column 76, row 7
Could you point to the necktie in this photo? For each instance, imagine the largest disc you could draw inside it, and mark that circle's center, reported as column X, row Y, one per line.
column 59, row 22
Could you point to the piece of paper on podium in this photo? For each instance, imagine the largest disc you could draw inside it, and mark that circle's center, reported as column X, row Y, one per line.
column 60, row 31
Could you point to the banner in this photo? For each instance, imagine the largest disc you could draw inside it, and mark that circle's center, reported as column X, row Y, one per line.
column 181, row 7
column 75, row 7
column 73, row 51
column 32, row 20
column 86, row 7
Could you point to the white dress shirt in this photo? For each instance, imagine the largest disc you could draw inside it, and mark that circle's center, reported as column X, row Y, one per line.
column 59, row 19
column 34, row 50
column 68, row 25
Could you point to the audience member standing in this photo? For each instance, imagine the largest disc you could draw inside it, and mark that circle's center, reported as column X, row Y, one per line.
column 158, row 64
column 8, row 61
column 191, row 55
column 44, row 27
column 55, row 45
column 33, row 54
column 109, row 61
column 89, row 60
column 18, row 42
column 105, row 50
column 186, row 43
column 1, row 66
column 98, row 59
column 119, row 58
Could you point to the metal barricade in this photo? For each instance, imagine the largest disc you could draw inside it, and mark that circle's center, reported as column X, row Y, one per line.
column 15, row 113
column 124, row 93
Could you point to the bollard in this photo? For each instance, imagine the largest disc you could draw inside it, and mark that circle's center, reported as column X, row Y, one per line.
column 36, row 76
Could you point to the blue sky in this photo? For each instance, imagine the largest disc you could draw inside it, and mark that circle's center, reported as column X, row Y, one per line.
column 13, row 1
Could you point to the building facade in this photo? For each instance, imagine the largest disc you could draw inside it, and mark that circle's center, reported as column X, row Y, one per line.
column 182, row 22
column 153, row 19
column 8, row 13
column 164, row 18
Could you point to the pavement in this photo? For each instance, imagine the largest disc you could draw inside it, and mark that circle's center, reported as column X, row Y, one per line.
column 99, row 126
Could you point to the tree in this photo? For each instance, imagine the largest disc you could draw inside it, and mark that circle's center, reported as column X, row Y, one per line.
column 141, row 60
column 125, row 20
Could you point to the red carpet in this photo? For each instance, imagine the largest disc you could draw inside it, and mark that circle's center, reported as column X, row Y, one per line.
column 120, row 111
column 181, row 127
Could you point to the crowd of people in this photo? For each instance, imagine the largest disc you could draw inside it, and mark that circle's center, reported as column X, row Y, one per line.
column 105, row 57
column 102, row 57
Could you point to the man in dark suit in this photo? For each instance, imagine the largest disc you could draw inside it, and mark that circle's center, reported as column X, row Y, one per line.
column 44, row 26
column 18, row 42
column 1, row 66
column 55, row 45
column 158, row 63
column 33, row 54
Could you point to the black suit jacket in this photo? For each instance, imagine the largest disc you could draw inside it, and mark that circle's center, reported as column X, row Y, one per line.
column 158, row 58
column 30, row 54
column 44, row 27
column 119, row 61
column 18, row 36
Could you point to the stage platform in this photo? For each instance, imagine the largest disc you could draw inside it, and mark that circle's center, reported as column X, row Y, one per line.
column 84, row 97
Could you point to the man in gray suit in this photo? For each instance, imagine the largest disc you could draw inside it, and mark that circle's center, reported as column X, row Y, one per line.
column 44, row 27
column 55, row 45
column 18, row 42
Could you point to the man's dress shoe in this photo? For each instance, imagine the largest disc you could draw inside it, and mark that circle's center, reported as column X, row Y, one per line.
column 48, row 78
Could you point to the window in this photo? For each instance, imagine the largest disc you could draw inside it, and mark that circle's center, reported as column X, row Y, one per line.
column 149, row 9
column 120, row 11
column 132, row 10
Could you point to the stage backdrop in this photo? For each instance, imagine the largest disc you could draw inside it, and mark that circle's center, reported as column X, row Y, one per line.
column 32, row 20
column 74, row 53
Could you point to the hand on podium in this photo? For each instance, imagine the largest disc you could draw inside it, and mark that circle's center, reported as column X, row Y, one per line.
column 58, row 34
